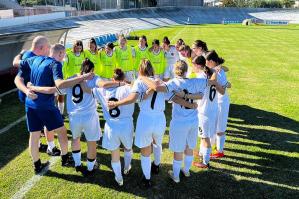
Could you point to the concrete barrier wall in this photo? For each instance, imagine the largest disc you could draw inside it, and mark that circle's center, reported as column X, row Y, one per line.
column 30, row 19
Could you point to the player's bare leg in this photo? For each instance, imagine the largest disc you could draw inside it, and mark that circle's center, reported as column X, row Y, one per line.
column 91, row 156
column 52, row 149
column 116, row 166
column 66, row 160
column 34, row 151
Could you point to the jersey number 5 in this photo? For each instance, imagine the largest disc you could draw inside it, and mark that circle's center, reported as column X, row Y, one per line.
column 77, row 97
column 115, row 112
column 212, row 92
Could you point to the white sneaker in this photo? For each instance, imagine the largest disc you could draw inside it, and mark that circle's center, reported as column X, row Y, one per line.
column 186, row 174
column 176, row 180
column 120, row 181
column 127, row 171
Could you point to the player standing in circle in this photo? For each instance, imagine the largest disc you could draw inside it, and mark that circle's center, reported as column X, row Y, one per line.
column 47, row 72
column 119, row 124
column 158, row 59
column 212, row 61
column 200, row 48
column 178, row 44
column 140, row 52
column 172, row 56
column 108, row 62
column 93, row 55
column 124, row 58
column 151, row 122
column 207, row 110
column 188, row 55
column 184, row 123
column 40, row 47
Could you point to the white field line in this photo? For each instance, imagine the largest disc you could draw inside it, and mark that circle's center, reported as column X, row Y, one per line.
column 35, row 179
column 3, row 130
column 178, row 34
column 8, row 92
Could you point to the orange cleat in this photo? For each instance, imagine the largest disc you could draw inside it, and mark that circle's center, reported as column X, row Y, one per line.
column 217, row 155
column 201, row 165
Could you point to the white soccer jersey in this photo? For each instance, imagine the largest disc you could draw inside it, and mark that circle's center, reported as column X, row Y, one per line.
column 79, row 102
column 208, row 104
column 189, row 86
column 221, row 79
column 172, row 57
column 154, row 103
column 104, row 95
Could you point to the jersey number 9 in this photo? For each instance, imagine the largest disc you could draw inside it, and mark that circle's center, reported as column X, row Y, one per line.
column 77, row 97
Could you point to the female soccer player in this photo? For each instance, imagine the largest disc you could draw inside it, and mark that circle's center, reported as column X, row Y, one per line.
column 140, row 52
column 119, row 124
column 184, row 124
column 124, row 59
column 200, row 48
column 212, row 61
column 158, row 59
column 93, row 55
column 187, row 55
column 108, row 62
column 172, row 56
column 71, row 66
column 179, row 43
column 151, row 121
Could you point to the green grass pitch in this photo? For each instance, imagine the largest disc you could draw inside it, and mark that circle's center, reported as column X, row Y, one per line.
column 262, row 148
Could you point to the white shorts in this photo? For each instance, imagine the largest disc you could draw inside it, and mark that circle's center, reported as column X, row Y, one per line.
column 222, row 116
column 117, row 133
column 130, row 76
column 150, row 127
column 207, row 125
column 87, row 123
column 183, row 133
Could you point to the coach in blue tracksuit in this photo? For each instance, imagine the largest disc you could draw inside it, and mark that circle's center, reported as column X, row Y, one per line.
column 40, row 108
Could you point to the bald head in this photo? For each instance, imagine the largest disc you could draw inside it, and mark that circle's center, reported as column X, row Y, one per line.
column 40, row 45
column 57, row 51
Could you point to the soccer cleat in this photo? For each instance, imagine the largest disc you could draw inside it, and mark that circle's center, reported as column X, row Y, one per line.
column 155, row 169
column 43, row 148
column 95, row 167
column 127, row 171
column 145, row 183
column 185, row 173
column 201, row 165
column 81, row 169
column 176, row 180
column 67, row 160
column 55, row 152
column 40, row 167
column 217, row 155
column 119, row 181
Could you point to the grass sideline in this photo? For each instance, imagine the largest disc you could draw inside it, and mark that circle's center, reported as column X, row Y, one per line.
column 262, row 149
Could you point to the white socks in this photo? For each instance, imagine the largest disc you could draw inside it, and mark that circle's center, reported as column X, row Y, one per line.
column 61, row 107
column 213, row 140
column 176, row 167
column 51, row 145
column 157, row 154
column 116, row 166
column 128, row 158
column 77, row 157
column 206, row 152
column 146, row 166
column 220, row 143
column 90, row 164
column 188, row 162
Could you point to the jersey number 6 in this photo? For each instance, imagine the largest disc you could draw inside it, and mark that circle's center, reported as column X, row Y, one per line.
column 115, row 112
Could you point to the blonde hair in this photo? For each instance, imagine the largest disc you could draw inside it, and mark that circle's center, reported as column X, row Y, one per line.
column 180, row 68
column 146, row 68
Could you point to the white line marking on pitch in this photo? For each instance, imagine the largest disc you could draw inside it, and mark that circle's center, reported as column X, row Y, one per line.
column 3, row 130
column 35, row 179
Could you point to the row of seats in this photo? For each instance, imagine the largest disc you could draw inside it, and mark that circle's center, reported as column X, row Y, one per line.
column 104, row 39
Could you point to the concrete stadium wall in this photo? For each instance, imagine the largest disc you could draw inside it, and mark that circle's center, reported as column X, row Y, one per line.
column 31, row 19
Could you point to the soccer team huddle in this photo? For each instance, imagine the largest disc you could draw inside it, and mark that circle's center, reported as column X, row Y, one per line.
column 192, row 79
